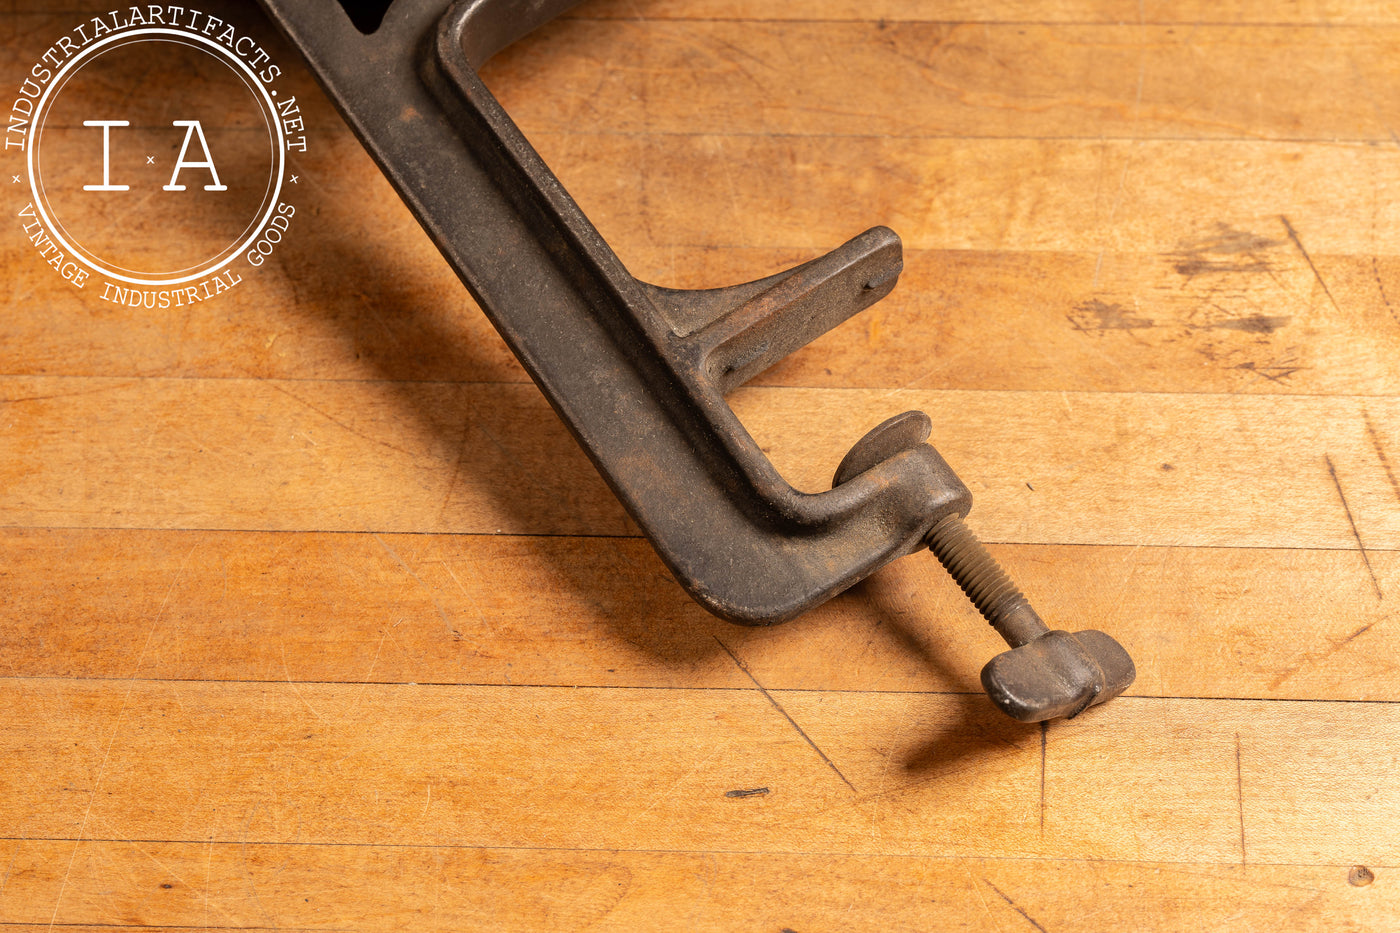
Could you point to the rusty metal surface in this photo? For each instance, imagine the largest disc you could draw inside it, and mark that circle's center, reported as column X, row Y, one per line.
column 639, row 373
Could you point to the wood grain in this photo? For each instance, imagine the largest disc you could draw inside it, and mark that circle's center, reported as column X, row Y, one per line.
column 483, row 458
column 1118, row 12
column 312, row 615
column 1213, row 316
column 183, row 885
column 1302, row 624
column 931, row 79
column 1084, row 195
column 661, row 762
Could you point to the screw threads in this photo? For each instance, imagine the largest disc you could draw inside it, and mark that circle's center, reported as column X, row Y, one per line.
column 984, row 582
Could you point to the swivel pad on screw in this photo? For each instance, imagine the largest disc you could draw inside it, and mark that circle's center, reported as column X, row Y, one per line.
column 1058, row 675
column 1046, row 674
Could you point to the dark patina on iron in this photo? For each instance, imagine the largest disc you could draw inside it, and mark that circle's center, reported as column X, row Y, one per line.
column 639, row 373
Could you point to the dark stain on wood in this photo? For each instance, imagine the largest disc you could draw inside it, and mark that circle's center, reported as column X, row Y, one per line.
column 1100, row 317
column 1226, row 251
column 749, row 792
column 1254, row 323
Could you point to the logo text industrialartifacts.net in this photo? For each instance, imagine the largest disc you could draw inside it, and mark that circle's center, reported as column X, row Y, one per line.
column 157, row 149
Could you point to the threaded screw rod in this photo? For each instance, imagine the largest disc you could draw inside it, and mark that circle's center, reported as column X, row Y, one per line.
column 985, row 583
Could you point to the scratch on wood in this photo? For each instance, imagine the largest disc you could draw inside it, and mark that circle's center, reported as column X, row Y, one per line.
column 456, row 466
column 1355, row 635
column 1352, row 522
column 1239, row 796
column 1380, row 453
column 431, row 593
column 975, row 888
column 102, row 768
column 1293, row 235
column 1273, row 372
column 1016, row 907
column 1044, row 733
column 1336, row 646
column 1376, row 272
column 778, row 706
column 334, row 420
column 297, row 690
column 44, row 398
column 14, row 854
column 208, row 872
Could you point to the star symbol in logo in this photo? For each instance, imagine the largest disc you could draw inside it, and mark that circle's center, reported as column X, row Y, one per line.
column 15, row 179
column 150, row 160
column 294, row 179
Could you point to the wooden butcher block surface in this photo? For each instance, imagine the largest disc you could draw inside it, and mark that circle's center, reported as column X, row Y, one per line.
column 314, row 617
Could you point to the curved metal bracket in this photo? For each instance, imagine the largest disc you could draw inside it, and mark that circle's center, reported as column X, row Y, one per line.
column 637, row 372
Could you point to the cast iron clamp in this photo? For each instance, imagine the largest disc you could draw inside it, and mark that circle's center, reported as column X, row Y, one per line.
column 639, row 373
